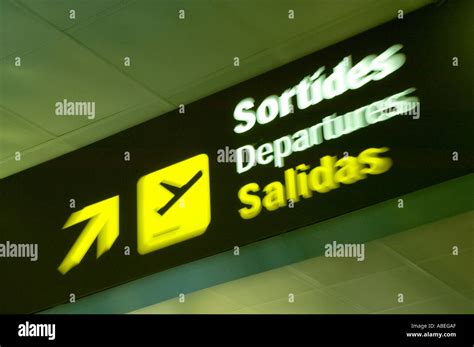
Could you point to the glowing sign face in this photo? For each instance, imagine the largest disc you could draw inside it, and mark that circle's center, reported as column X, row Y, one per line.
column 331, row 127
column 173, row 204
column 317, row 87
column 311, row 91
column 103, row 226
column 295, row 127
column 304, row 181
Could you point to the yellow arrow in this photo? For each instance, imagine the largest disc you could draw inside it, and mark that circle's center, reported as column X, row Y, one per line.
column 103, row 226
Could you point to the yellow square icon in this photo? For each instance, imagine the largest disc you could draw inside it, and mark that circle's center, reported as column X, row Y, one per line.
column 174, row 204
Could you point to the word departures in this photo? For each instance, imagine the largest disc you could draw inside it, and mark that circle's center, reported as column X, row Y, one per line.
column 313, row 90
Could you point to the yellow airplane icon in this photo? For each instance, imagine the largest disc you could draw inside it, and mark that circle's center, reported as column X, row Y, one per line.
column 173, row 204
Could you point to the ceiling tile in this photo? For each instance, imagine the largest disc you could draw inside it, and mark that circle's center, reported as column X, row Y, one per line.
column 434, row 239
column 271, row 19
column 469, row 295
column 255, row 290
column 249, row 67
column 66, row 70
column 245, row 310
column 16, row 134
column 115, row 123
column 380, row 291
column 21, row 32
column 166, row 52
column 57, row 11
column 184, row 59
column 202, row 302
column 454, row 270
column 313, row 302
column 432, row 286
column 329, row 271
column 316, row 24
column 448, row 304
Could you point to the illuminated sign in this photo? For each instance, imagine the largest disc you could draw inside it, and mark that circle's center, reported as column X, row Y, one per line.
column 317, row 87
column 302, row 182
column 103, row 226
column 173, row 204
column 332, row 132
column 168, row 212
column 331, row 127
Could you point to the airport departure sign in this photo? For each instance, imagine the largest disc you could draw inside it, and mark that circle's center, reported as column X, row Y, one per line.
column 374, row 117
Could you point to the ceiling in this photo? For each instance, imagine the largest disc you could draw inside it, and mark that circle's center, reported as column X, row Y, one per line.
column 419, row 263
column 173, row 61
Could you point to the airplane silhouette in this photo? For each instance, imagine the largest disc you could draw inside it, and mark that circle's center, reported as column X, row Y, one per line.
column 177, row 191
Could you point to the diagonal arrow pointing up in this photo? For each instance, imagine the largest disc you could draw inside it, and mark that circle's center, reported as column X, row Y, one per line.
column 103, row 226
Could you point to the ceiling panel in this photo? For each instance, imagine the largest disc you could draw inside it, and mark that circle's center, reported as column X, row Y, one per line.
column 275, row 21
column 66, row 70
column 366, row 14
column 167, row 52
column 380, row 291
column 173, row 61
column 328, row 271
column 432, row 240
column 253, row 290
column 20, row 32
column 204, row 301
column 17, row 134
column 117, row 122
column 454, row 270
column 316, row 301
column 249, row 67
column 57, row 12
column 443, row 284
column 444, row 304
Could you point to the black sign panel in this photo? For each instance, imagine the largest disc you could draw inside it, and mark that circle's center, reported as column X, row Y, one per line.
column 429, row 144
